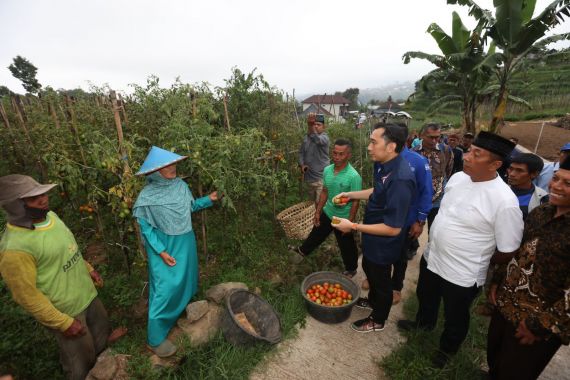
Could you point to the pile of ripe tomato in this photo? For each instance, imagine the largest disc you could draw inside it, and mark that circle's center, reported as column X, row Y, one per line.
column 328, row 294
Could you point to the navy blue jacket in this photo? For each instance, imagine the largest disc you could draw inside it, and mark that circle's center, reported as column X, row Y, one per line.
column 421, row 203
column 394, row 189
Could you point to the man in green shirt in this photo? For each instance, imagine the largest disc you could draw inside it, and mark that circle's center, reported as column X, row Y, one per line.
column 337, row 178
column 41, row 264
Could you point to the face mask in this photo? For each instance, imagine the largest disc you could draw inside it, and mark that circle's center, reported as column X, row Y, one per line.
column 36, row 213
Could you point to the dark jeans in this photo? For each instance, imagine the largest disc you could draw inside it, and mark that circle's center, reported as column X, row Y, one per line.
column 380, row 293
column 431, row 216
column 346, row 242
column 457, row 302
column 400, row 266
column 508, row 359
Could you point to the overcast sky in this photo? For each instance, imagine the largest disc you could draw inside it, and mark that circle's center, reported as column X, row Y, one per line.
column 311, row 45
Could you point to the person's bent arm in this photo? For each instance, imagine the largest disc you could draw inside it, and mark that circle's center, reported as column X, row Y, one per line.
column 359, row 195
column 320, row 140
column 19, row 272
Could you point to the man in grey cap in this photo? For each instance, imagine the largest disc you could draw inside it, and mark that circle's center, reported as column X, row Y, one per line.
column 41, row 264
column 314, row 156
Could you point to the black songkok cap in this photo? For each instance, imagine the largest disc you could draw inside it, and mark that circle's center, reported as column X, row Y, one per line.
column 494, row 143
column 320, row 118
column 565, row 164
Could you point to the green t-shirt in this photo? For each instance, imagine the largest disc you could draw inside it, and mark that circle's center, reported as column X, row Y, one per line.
column 61, row 273
column 346, row 180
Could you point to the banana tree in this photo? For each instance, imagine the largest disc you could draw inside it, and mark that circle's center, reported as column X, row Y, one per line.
column 464, row 70
column 516, row 33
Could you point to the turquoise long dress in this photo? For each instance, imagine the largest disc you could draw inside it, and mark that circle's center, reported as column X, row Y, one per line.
column 170, row 288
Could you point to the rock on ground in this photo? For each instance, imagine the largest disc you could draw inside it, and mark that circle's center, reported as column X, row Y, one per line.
column 196, row 310
column 202, row 330
column 109, row 367
column 218, row 292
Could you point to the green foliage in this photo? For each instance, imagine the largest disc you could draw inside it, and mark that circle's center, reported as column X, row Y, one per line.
column 352, row 95
column 464, row 70
column 25, row 71
column 412, row 359
column 254, row 162
column 516, row 33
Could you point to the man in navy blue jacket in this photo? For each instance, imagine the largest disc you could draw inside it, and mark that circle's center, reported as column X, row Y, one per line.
column 383, row 230
column 417, row 215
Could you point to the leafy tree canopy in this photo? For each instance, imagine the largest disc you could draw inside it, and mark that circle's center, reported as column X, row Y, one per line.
column 25, row 71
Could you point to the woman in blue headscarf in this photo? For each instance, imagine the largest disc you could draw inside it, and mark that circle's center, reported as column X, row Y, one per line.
column 164, row 212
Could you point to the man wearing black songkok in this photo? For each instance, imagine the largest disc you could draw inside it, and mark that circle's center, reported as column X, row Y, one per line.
column 479, row 218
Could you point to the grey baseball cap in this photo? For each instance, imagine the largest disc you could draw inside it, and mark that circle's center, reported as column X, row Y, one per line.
column 18, row 186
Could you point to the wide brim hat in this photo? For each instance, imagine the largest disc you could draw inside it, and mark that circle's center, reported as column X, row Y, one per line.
column 18, row 186
column 494, row 143
column 157, row 159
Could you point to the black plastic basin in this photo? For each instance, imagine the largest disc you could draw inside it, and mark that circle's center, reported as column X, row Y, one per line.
column 329, row 314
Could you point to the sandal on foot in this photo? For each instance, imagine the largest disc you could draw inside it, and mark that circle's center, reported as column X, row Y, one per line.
column 164, row 350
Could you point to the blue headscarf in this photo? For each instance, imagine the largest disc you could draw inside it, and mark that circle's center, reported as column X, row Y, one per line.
column 165, row 204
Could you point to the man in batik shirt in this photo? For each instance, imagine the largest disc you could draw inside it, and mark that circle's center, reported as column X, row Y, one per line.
column 533, row 299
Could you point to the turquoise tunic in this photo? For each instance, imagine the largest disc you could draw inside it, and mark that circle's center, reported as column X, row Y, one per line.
column 171, row 288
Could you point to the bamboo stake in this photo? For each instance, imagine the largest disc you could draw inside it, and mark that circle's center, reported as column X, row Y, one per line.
column 204, row 221
column 19, row 158
column 539, row 137
column 124, row 111
column 22, row 120
column 127, row 173
column 74, row 129
column 51, row 110
column 226, row 112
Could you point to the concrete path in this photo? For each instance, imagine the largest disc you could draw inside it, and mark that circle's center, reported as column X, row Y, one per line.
column 329, row 351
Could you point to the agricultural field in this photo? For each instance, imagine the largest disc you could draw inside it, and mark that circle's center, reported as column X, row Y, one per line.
column 242, row 140
column 543, row 82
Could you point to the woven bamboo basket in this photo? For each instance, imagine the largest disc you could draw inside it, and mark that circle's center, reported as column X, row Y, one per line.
column 297, row 220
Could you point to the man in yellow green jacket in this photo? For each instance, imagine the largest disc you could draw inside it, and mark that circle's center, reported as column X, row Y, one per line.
column 41, row 265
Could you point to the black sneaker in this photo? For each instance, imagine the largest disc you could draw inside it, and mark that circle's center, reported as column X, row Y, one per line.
column 407, row 325
column 367, row 325
column 440, row 359
column 363, row 303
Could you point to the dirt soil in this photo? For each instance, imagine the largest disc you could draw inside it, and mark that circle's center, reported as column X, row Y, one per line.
column 528, row 131
column 329, row 351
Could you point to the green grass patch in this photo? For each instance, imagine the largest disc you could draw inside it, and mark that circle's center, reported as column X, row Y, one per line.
column 412, row 360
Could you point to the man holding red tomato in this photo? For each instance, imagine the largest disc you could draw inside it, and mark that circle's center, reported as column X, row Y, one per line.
column 384, row 220
column 338, row 177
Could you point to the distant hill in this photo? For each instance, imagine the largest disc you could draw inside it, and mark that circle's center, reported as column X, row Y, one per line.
column 398, row 91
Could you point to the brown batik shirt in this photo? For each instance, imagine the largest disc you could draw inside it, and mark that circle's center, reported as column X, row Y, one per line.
column 441, row 164
column 536, row 288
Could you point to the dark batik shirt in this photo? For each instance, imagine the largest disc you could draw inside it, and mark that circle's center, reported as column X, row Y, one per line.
column 537, row 284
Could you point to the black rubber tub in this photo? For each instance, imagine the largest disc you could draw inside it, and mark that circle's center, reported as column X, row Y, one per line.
column 259, row 314
column 329, row 314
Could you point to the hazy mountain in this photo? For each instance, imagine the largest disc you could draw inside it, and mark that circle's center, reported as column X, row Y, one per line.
column 398, row 91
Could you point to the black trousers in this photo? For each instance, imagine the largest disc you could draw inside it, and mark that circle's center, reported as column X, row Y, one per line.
column 346, row 242
column 380, row 293
column 508, row 359
column 400, row 266
column 431, row 216
column 457, row 302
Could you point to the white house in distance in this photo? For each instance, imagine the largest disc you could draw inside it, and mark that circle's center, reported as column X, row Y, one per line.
column 334, row 106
